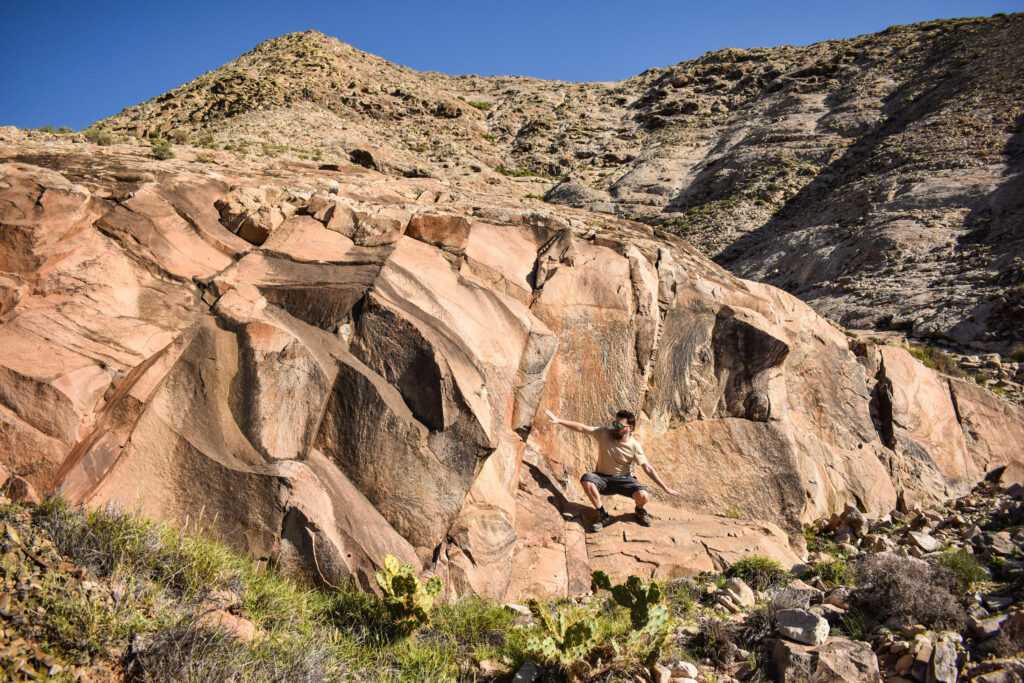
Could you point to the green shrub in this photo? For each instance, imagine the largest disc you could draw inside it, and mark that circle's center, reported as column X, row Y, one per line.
column 834, row 573
column 890, row 586
column 518, row 172
column 682, row 596
column 161, row 148
column 179, row 136
column 100, row 136
column 46, row 129
column 853, row 624
column 1017, row 354
column 482, row 106
column 164, row 575
column 822, row 544
column 760, row 573
column 471, row 617
column 965, row 567
column 713, row 641
column 758, row 623
column 937, row 360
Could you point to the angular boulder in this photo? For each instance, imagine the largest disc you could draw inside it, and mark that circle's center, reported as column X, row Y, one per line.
column 837, row 659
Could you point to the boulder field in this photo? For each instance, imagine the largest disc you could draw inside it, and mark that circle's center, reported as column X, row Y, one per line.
column 322, row 366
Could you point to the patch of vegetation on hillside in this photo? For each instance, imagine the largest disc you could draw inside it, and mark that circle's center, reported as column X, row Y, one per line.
column 937, row 359
column 108, row 593
column 522, row 172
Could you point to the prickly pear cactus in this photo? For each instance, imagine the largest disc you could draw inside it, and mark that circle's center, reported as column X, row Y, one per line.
column 646, row 615
column 407, row 600
column 567, row 640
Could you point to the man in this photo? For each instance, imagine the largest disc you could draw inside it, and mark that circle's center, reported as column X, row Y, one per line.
column 617, row 452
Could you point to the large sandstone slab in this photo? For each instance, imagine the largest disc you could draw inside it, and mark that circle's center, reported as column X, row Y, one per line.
column 351, row 383
column 993, row 428
column 918, row 416
column 150, row 227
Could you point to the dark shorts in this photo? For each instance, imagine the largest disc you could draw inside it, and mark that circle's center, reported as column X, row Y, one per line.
column 611, row 486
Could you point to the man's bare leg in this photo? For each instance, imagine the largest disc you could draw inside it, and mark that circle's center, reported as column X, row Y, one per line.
column 590, row 488
column 641, row 498
column 593, row 494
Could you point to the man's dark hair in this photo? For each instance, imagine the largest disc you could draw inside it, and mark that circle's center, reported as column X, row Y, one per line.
column 626, row 415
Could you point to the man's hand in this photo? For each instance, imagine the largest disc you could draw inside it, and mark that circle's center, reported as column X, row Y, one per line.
column 646, row 467
column 575, row 426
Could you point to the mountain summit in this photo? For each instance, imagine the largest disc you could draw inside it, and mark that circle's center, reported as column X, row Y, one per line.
column 878, row 178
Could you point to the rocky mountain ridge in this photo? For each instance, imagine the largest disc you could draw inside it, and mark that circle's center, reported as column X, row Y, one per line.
column 878, row 178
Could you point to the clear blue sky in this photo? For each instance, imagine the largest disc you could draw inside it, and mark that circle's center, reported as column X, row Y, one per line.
column 72, row 63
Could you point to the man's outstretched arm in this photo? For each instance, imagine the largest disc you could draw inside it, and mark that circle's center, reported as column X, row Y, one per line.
column 575, row 426
column 646, row 467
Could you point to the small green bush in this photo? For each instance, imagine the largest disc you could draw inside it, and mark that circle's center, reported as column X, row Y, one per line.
column 472, row 616
column 713, row 641
column 834, row 573
column 937, row 360
column 1017, row 354
column 46, row 129
column 161, row 148
column 759, row 623
column 482, row 106
column 853, row 625
column 822, row 544
column 101, row 137
column 890, row 586
column 965, row 567
column 681, row 596
column 760, row 573
column 518, row 172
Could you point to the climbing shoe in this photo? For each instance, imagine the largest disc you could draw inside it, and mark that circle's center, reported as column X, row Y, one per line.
column 602, row 519
column 642, row 517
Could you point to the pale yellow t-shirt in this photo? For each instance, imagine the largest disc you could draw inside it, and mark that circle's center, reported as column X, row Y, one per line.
column 616, row 458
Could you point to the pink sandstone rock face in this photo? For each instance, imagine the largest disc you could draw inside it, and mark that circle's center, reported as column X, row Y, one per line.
column 324, row 367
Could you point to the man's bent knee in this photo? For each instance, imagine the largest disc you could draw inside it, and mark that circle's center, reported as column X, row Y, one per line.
column 641, row 497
